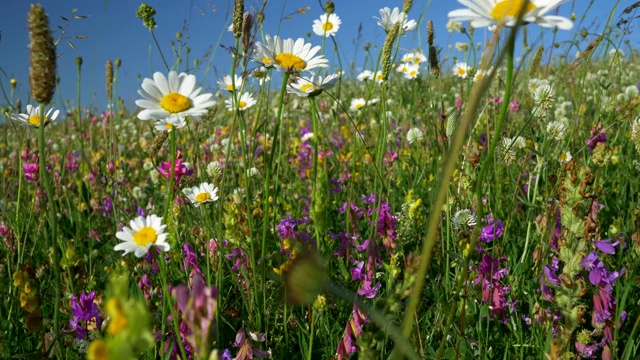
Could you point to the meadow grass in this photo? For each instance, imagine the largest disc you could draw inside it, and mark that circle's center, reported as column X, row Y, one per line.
column 487, row 212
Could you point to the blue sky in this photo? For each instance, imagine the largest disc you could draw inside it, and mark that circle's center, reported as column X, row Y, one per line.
column 113, row 31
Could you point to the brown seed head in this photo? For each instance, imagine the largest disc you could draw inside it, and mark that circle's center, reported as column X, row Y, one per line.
column 109, row 77
column 238, row 12
column 387, row 49
column 42, row 70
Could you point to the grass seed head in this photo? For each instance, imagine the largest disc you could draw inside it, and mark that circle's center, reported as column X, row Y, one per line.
column 42, row 71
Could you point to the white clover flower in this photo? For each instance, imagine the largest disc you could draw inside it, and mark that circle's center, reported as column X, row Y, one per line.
column 214, row 169
column 507, row 150
column 252, row 172
column 635, row 132
column 556, row 130
column 631, row 91
column 414, row 135
column 462, row 46
column 463, row 219
column 148, row 166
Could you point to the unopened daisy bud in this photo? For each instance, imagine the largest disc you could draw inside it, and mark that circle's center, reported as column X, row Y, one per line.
column 635, row 133
column 238, row 12
column 42, row 71
column 118, row 63
column 387, row 49
column 304, row 279
column 157, row 142
column 79, row 61
column 329, row 7
column 14, row 83
column 535, row 62
column 109, row 78
column 367, row 46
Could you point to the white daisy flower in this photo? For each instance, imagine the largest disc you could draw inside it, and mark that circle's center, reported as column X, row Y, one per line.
column 479, row 75
column 175, row 96
column 244, row 102
column 289, row 55
column 403, row 67
column 359, row 103
column 32, row 116
column 327, row 25
column 199, row 195
column 143, row 233
column 419, row 57
column 306, row 137
column 312, row 86
column 412, row 71
column 378, row 77
column 461, row 70
column 365, row 75
column 264, row 51
column 226, row 83
column 389, row 17
column 170, row 123
column 414, row 135
column 565, row 157
column 483, row 13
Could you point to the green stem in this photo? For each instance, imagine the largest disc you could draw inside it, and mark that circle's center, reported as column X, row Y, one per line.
column 153, row 35
column 167, row 295
column 445, row 177
column 267, row 181
column 52, row 234
column 172, row 174
column 480, row 193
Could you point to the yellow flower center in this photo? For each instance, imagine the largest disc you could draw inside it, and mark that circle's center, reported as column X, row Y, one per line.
column 510, row 9
column 242, row 104
column 359, row 105
column 327, row 26
column 266, row 60
column 289, row 61
column 98, row 350
column 461, row 71
column 563, row 156
column 229, row 87
column 35, row 120
column 175, row 103
column 307, row 88
column 119, row 320
column 413, row 73
column 203, row 197
column 145, row 236
column 168, row 126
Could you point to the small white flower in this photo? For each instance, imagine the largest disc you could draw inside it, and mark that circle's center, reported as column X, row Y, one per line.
column 170, row 123
column 244, row 102
column 252, row 172
column 461, row 70
column 289, row 55
column 32, row 116
column 388, row 18
column 565, row 157
column 453, row 26
column 631, row 91
column 359, row 103
column 228, row 85
column 312, row 86
column 143, row 233
column 306, row 137
column 365, row 75
column 412, row 71
column 327, row 25
column 201, row 194
column 414, row 135
column 462, row 46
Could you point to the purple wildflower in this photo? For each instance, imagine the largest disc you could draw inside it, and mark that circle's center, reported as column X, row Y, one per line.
column 246, row 351
column 30, row 171
column 597, row 135
column 84, row 310
column 493, row 230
